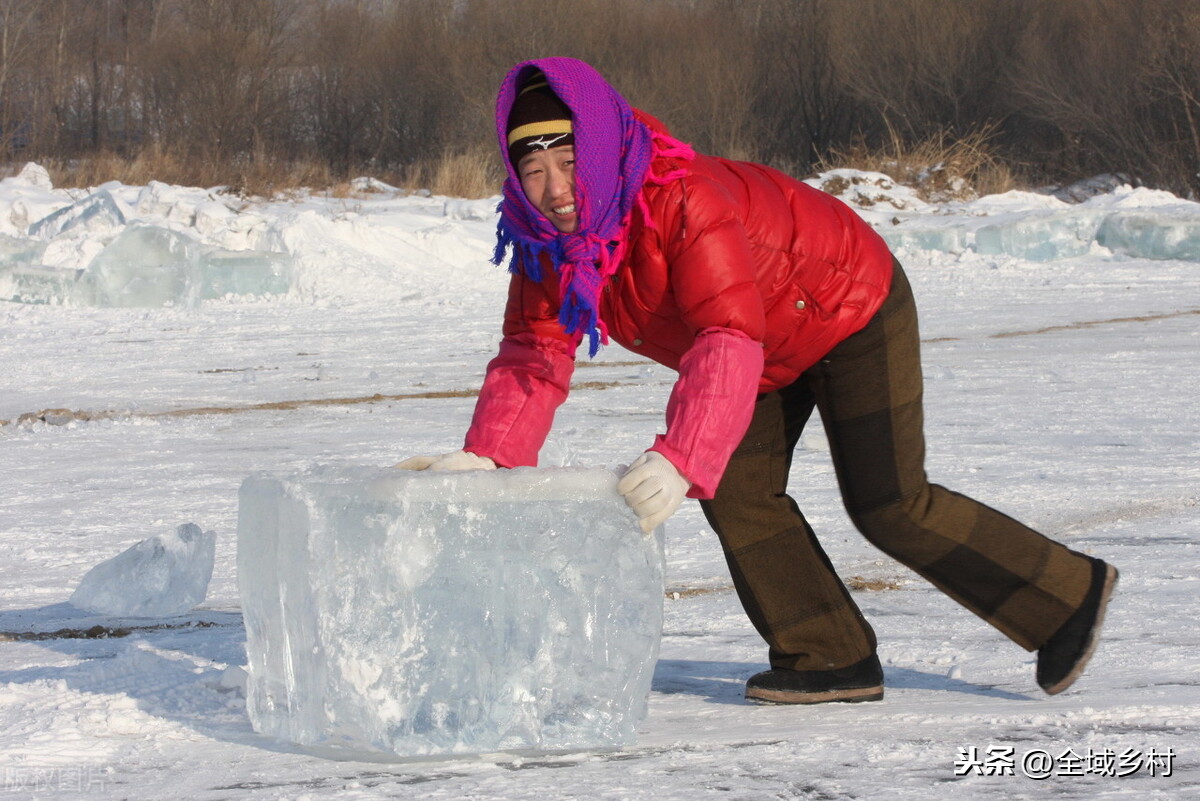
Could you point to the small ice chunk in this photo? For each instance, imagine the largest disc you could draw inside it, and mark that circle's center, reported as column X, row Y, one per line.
column 233, row 678
column 164, row 575
column 213, row 216
column 411, row 613
column 144, row 266
column 35, row 175
column 157, row 199
column 367, row 184
column 471, row 210
column 244, row 272
column 98, row 213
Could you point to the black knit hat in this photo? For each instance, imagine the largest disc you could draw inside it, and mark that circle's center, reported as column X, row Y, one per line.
column 538, row 120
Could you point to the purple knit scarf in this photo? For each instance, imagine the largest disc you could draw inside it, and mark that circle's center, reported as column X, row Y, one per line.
column 612, row 162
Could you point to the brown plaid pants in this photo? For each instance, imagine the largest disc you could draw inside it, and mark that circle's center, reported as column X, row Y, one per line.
column 868, row 390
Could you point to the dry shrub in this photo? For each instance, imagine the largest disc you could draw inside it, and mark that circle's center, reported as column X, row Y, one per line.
column 941, row 167
column 153, row 163
column 107, row 166
column 267, row 176
column 262, row 176
column 475, row 172
column 471, row 173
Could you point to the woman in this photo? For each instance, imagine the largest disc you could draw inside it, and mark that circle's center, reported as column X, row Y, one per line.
column 771, row 299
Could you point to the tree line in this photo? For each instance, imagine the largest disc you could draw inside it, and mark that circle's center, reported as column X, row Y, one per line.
column 217, row 91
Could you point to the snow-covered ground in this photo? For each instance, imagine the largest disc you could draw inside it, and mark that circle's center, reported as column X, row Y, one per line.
column 1061, row 366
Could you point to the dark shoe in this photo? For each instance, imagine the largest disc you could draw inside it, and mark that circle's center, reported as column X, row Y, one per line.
column 1064, row 656
column 862, row 681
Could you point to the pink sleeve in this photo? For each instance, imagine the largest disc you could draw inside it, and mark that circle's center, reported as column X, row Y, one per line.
column 525, row 384
column 710, row 406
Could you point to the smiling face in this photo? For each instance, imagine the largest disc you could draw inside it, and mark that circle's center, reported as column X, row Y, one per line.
column 548, row 178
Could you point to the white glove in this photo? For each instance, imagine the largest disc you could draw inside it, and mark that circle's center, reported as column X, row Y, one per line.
column 459, row 460
column 653, row 489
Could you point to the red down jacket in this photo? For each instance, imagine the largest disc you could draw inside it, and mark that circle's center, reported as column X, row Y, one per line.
column 746, row 279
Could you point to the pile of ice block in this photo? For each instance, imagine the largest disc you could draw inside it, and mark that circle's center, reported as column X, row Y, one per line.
column 140, row 265
column 412, row 613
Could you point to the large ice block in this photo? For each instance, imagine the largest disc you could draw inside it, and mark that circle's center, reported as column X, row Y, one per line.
column 151, row 266
column 1046, row 237
column 18, row 252
column 23, row 278
column 413, row 613
column 244, row 272
column 144, row 266
column 946, row 239
column 1145, row 235
column 37, row 284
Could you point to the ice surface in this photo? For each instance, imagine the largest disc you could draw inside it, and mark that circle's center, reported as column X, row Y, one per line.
column 164, row 575
column 422, row 613
column 97, row 212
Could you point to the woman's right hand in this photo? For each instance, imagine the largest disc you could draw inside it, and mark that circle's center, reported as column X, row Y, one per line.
column 458, row 460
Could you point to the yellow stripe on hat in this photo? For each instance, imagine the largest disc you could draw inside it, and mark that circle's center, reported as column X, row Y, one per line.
column 539, row 129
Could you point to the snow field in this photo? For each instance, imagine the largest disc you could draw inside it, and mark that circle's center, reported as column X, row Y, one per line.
column 1088, row 432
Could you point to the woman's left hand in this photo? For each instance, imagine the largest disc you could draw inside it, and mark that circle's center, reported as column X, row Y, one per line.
column 653, row 488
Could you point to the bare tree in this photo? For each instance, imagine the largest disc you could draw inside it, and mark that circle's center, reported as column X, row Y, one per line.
column 1084, row 71
column 803, row 107
column 18, row 27
column 217, row 72
column 1065, row 87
